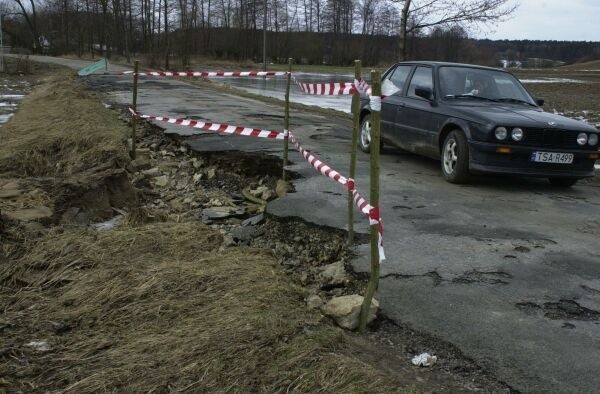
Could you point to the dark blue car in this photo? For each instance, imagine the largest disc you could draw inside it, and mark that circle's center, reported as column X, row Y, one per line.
column 479, row 120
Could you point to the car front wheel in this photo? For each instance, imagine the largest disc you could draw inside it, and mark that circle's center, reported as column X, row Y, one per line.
column 563, row 182
column 455, row 158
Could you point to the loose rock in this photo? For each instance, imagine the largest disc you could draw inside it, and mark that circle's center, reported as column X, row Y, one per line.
column 254, row 220
column 282, row 188
column 314, row 302
column 244, row 234
column 345, row 310
column 161, row 181
column 334, row 274
column 152, row 172
column 211, row 173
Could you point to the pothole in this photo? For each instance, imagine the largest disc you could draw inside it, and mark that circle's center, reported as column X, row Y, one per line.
column 561, row 310
column 490, row 277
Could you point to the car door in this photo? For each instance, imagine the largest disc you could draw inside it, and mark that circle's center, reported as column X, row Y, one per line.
column 392, row 87
column 416, row 118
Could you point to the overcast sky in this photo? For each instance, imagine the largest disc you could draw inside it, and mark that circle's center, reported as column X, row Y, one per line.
column 577, row 20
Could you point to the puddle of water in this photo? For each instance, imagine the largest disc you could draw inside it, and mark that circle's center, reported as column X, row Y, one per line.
column 5, row 118
column 11, row 96
column 10, row 101
column 275, row 87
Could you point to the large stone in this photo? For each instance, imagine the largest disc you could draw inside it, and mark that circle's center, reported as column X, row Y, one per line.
column 334, row 274
column 345, row 310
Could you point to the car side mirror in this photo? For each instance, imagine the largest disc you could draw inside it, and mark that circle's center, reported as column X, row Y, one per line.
column 539, row 102
column 426, row 93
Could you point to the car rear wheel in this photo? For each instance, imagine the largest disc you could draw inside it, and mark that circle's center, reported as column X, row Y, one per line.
column 563, row 182
column 455, row 158
column 364, row 139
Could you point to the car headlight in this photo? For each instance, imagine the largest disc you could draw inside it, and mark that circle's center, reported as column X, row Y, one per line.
column 582, row 139
column 501, row 133
column 517, row 134
column 593, row 139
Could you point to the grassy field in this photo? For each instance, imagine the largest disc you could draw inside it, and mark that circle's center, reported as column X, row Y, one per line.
column 568, row 90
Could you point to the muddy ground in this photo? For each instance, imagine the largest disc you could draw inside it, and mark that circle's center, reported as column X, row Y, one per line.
column 164, row 273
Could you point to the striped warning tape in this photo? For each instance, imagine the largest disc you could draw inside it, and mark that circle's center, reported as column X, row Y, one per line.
column 327, row 89
column 221, row 128
column 207, row 73
column 370, row 211
column 335, row 88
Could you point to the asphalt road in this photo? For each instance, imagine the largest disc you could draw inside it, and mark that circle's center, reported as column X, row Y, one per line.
column 507, row 269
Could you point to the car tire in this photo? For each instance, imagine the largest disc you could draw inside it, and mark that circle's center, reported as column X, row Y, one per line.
column 455, row 158
column 563, row 182
column 364, row 135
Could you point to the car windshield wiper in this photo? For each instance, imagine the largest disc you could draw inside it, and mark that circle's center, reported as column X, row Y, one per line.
column 460, row 96
column 514, row 100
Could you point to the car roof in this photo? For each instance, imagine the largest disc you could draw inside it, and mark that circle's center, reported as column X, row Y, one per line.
column 440, row 64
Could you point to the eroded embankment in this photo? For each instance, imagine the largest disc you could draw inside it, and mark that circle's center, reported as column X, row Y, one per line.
column 177, row 296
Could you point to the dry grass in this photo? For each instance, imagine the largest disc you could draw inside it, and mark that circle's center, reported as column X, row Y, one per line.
column 155, row 308
column 60, row 130
column 591, row 65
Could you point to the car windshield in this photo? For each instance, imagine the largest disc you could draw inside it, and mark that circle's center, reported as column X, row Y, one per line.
column 466, row 82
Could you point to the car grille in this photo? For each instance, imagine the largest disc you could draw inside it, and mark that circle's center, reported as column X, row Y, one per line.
column 551, row 138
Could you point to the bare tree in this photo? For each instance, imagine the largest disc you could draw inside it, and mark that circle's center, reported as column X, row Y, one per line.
column 422, row 14
column 31, row 21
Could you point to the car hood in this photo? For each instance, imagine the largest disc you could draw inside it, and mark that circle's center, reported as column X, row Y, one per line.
column 518, row 115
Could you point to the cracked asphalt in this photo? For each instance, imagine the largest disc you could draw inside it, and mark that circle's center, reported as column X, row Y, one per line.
column 507, row 269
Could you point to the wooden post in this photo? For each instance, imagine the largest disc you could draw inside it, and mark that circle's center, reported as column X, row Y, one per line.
column 355, row 131
column 134, row 106
column 286, row 119
column 374, row 279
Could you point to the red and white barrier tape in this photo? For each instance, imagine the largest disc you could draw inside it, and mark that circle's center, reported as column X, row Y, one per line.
column 207, row 73
column 371, row 212
column 221, row 128
column 327, row 89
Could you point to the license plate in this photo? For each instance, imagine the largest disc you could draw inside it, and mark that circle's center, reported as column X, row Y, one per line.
column 552, row 157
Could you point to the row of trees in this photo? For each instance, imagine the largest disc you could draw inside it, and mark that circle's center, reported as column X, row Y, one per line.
column 313, row 31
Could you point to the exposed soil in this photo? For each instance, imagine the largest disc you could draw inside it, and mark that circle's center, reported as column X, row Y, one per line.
column 188, row 287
